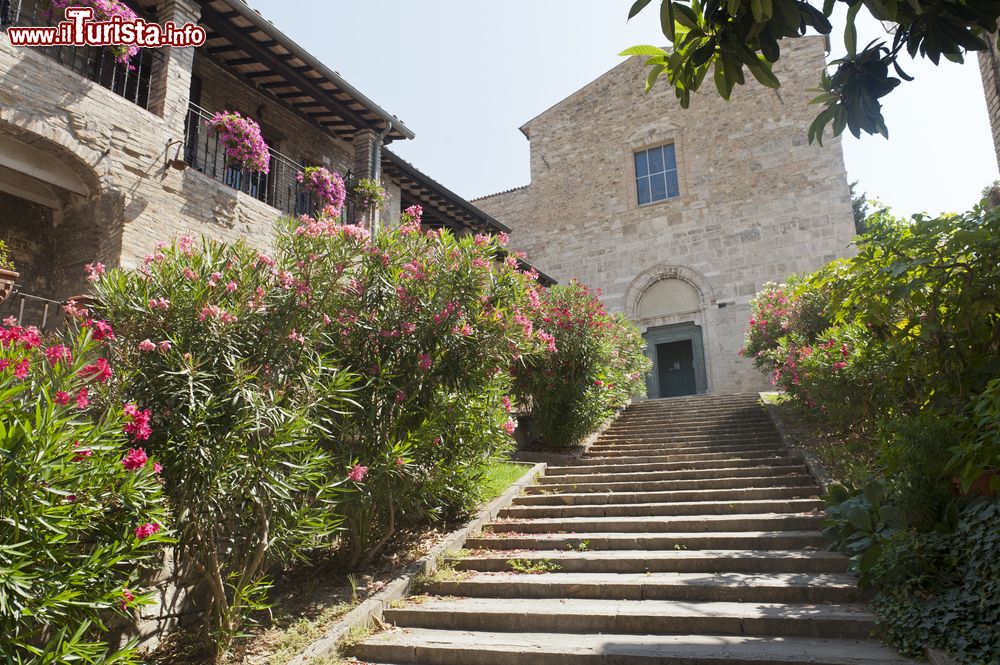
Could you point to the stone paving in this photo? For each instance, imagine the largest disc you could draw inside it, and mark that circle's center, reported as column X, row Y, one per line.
column 688, row 534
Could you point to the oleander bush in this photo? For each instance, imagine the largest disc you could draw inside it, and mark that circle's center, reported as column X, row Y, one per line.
column 81, row 505
column 434, row 323
column 597, row 364
column 212, row 337
column 902, row 344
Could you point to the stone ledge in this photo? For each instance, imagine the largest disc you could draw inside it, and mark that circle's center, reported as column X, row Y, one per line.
column 371, row 609
column 816, row 468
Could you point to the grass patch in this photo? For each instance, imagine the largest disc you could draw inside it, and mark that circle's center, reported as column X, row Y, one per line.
column 497, row 477
column 304, row 632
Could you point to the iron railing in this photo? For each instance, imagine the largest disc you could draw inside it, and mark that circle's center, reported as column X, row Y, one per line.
column 278, row 188
column 29, row 310
column 96, row 63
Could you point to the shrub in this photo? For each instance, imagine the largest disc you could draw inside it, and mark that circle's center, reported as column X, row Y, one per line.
column 910, row 356
column 942, row 588
column 597, row 365
column 213, row 339
column 430, row 321
column 80, row 503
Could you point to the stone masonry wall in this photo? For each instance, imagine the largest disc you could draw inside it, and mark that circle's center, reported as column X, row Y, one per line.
column 121, row 150
column 989, row 68
column 757, row 203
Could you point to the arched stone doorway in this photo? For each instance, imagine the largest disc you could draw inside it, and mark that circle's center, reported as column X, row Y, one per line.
column 668, row 304
column 54, row 219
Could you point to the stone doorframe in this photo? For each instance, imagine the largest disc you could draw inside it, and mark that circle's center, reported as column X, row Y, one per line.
column 678, row 332
column 694, row 319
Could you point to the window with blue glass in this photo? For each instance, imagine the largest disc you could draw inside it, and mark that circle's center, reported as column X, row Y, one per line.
column 656, row 174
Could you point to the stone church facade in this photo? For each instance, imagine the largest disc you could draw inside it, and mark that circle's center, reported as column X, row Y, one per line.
column 680, row 216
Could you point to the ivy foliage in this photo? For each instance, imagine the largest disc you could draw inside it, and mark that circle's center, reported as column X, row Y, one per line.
column 730, row 36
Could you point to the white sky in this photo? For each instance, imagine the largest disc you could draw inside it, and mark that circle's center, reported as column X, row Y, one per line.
column 465, row 74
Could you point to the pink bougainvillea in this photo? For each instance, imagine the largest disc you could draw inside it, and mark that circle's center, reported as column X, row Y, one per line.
column 327, row 187
column 242, row 141
column 104, row 11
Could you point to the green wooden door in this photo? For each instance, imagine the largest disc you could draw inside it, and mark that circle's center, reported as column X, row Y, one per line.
column 675, row 368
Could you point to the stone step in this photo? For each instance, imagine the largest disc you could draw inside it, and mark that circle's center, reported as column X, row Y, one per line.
column 664, row 485
column 611, row 498
column 705, row 587
column 780, row 467
column 452, row 647
column 792, row 561
column 569, row 615
column 659, row 452
column 676, row 508
column 707, row 446
column 659, row 524
column 651, row 540
column 676, row 455
column 660, row 457
column 672, row 429
column 627, row 467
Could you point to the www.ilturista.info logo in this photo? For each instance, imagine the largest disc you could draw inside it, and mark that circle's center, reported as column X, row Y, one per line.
column 79, row 29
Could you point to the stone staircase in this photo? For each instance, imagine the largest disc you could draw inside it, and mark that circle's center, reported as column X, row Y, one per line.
column 687, row 535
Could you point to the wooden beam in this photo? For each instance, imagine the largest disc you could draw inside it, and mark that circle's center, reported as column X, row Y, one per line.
column 282, row 68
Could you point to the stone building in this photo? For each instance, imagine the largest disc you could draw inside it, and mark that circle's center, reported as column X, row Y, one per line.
column 989, row 69
column 680, row 216
column 99, row 161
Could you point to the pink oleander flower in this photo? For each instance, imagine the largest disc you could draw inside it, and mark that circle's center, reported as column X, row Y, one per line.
column 507, row 406
column 510, row 426
column 425, row 362
column 21, row 369
column 296, row 337
column 164, row 346
column 135, row 459
column 127, row 597
column 147, row 346
column 357, row 473
column 408, row 328
column 61, row 398
column 138, row 426
column 94, row 271
column 190, row 274
column 159, row 303
column 73, row 311
column 100, row 330
column 146, row 530
column 400, row 396
column 57, row 353
column 214, row 279
column 99, row 371
column 157, row 468
column 232, row 286
column 400, row 461
column 83, row 399
column 80, row 455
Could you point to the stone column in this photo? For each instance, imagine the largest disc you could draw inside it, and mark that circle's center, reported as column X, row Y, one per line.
column 170, row 87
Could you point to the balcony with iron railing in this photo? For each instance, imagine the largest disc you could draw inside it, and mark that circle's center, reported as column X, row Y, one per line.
column 130, row 81
column 279, row 188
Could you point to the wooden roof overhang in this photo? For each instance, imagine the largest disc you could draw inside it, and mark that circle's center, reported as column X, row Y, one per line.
column 243, row 41
column 442, row 207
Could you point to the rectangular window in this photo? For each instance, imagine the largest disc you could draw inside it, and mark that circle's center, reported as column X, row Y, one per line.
column 656, row 174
